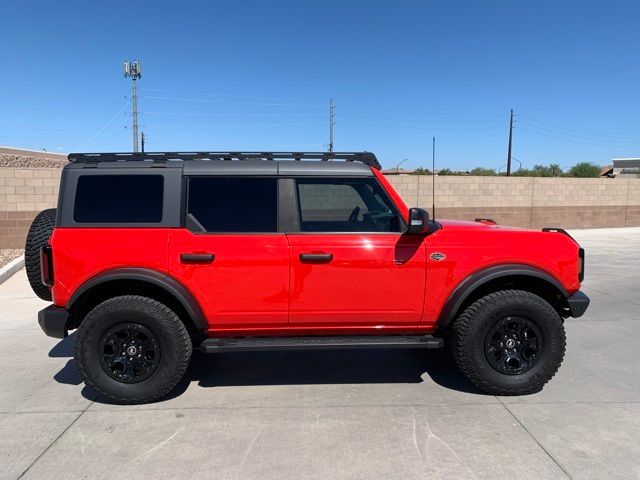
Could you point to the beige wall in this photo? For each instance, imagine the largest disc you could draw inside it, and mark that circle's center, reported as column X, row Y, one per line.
column 528, row 201
column 525, row 202
column 23, row 193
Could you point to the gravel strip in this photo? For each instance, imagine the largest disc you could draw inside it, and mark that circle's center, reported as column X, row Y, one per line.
column 19, row 161
column 8, row 254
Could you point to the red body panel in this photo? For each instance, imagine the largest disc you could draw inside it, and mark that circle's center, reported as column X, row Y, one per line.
column 375, row 283
column 247, row 285
column 470, row 247
column 82, row 253
column 376, row 280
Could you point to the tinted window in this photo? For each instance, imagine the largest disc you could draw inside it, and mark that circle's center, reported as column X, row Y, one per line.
column 118, row 199
column 234, row 204
column 345, row 205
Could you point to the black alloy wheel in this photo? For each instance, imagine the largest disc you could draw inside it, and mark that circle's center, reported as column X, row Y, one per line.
column 513, row 345
column 129, row 353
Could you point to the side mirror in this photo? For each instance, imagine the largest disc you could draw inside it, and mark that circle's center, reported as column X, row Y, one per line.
column 418, row 221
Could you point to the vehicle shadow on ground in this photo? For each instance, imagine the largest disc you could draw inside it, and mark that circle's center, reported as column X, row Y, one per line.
column 69, row 373
column 301, row 368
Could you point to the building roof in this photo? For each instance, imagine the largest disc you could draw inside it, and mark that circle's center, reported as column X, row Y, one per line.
column 606, row 171
column 626, row 162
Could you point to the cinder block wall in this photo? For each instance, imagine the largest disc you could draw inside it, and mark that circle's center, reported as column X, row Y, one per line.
column 528, row 201
column 523, row 202
column 23, row 193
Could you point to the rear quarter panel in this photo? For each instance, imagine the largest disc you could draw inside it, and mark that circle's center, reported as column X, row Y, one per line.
column 82, row 253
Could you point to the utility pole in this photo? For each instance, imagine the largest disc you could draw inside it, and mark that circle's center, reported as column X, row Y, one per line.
column 134, row 70
column 510, row 137
column 331, row 123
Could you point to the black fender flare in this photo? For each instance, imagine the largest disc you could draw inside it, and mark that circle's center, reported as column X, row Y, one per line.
column 153, row 277
column 477, row 279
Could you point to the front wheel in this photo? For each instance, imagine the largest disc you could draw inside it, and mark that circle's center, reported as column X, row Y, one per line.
column 510, row 342
column 132, row 349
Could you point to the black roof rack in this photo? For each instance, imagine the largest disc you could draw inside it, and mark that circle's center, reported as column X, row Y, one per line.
column 363, row 157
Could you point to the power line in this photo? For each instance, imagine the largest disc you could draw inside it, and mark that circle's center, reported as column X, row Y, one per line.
column 247, row 125
column 599, row 134
column 210, row 114
column 578, row 142
column 557, row 132
column 584, row 137
column 95, row 136
column 231, row 96
column 422, row 119
column 417, row 113
column 416, row 127
column 199, row 100
column 54, row 129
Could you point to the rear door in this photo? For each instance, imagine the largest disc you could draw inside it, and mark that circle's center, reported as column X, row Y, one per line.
column 351, row 265
column 230, row 255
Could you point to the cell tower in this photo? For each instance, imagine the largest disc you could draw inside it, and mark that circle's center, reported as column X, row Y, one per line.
column 134, row 70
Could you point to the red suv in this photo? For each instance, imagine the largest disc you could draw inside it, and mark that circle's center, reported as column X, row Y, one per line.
column 151, row 254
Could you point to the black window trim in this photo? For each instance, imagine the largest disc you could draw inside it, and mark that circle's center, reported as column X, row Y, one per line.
column 185, row 204
column 296, row 206
column 174, row 212
column 69, row 185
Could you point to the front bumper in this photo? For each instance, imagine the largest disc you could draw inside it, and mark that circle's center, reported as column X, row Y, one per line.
column 578, row 303
column 53, row 321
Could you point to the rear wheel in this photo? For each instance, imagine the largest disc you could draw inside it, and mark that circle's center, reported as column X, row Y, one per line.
column 509, row 343
column 38, row 236
column 132, row 349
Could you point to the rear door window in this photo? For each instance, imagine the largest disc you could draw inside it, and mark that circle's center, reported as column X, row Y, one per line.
column 233, row 205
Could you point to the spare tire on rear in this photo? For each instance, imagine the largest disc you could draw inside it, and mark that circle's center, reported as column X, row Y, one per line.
column 38, row 236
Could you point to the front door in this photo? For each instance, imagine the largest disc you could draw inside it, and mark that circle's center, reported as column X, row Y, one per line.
column 231, row 255
column 351, row 265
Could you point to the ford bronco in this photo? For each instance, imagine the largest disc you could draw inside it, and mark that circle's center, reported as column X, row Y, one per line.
column 149, row 255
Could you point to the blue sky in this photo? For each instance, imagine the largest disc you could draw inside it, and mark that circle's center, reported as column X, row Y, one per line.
column 258, row 75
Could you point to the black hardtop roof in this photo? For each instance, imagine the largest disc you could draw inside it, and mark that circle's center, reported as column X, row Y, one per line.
column 197, row 162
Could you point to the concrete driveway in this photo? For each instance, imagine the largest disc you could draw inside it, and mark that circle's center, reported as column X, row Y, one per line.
column 352, row 414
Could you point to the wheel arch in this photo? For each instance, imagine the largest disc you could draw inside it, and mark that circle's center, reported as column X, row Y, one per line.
column 500, row 277
column 143, row 281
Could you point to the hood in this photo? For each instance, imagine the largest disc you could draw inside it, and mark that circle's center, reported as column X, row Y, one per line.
column 475, row 226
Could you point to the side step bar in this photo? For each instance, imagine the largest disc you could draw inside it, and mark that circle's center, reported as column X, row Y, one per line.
column 213, row 345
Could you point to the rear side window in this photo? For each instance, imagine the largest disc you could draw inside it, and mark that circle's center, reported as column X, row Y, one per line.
column 234, row 204
column 119, row 199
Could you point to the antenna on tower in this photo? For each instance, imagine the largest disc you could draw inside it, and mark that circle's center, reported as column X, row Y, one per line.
column 134, row 70
column 433, row 177
column 331, row 124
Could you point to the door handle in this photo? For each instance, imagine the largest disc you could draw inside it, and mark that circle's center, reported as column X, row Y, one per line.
column 197, row 257
column 316, row 257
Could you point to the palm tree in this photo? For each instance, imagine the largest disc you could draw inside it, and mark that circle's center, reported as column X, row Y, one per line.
column 555, row 169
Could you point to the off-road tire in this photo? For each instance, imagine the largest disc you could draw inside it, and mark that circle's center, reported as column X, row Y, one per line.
column 38, row 236
column 470, row 331
column 172, row 337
